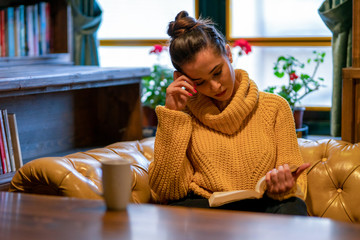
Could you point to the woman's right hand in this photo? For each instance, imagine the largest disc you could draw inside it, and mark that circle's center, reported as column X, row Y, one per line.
column 179, row 92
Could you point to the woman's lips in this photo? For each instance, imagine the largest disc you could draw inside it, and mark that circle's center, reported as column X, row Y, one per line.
column 221, row 94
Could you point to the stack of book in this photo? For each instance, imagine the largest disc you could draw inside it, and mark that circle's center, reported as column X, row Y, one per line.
column 25, row 30
column 10, row 151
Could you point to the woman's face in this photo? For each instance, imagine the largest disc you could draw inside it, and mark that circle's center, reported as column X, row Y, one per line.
column 212, row 74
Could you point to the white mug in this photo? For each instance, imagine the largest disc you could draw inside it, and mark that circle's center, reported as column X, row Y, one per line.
column 116, row 182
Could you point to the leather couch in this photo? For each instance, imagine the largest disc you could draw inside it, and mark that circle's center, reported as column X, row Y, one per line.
column 333, row 178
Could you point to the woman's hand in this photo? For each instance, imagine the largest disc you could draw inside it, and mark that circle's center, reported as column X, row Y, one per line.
column 282, row 180
column 179, row 92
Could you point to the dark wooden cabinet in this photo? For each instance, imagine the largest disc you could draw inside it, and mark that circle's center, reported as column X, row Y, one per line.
column 61, row 108
column 350, row 119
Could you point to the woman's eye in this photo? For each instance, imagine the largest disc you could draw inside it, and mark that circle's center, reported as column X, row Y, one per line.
column 199, row 83
column 217, row 73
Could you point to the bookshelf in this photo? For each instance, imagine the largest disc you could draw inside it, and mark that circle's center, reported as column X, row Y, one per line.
column 60, row 34
column 61, row 108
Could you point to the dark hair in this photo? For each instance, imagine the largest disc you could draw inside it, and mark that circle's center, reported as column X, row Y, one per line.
column 189, row 36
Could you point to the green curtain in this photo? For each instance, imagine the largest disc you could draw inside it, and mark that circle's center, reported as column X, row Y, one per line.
column 337, row 15
column 86, row 21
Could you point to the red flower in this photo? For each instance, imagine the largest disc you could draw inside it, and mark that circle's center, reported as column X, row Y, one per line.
column 157, row 49
column 293, row 76
column 244, row 45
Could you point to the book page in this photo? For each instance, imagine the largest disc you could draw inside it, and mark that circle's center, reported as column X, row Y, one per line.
column 221, row 198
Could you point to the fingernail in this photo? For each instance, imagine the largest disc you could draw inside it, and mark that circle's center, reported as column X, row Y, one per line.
column 195, row 90
column 190, row 94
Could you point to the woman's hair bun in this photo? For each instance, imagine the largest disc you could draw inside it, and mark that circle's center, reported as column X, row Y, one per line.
column 183, row 23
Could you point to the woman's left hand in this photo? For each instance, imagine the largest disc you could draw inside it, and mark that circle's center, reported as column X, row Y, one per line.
column 282, row 180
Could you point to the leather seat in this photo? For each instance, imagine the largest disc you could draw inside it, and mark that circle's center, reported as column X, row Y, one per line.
column 333, row 178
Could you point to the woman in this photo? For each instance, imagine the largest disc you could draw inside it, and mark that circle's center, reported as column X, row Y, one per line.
column 217, row 132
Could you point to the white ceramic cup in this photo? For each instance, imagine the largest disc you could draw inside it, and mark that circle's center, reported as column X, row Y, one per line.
column 116, row 182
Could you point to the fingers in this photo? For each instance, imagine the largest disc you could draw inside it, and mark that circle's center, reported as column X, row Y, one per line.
column 279, row 180
column 179, row 92
column 184, row 83
column 300, row 170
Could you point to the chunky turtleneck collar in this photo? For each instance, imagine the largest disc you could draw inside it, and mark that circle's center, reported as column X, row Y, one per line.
column 230, row 119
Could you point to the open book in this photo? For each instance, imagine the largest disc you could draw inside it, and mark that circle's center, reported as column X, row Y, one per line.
column 221, row 198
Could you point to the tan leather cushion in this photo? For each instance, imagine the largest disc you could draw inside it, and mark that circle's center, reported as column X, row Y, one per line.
column 333, row 179
column 70, row 175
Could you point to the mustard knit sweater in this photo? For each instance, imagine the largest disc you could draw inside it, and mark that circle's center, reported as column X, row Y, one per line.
column 206, row 150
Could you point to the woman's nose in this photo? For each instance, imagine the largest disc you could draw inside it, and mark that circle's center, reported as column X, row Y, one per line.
column 214, row 85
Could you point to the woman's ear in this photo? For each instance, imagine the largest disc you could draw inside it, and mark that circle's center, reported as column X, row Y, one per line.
column 228, row 52
column 177, row 74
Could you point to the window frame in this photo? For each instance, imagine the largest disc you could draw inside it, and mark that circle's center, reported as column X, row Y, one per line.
column 259, row 42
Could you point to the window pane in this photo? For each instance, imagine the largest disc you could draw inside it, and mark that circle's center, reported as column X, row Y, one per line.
column 140, row 19
column 276, row 18
column 131, row 57
column 260, row 62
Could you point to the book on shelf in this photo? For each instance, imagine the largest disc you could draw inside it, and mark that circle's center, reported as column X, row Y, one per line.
column 35, row 16
column 2, row 33
column 10, row 32
column 17, row 31
column 43, row 27
column 4, row 147
column 25, row 30
column 15, row 140
column 29, row 28
column 221, row 198
column 8, row 139
column 22, row 30
column 2, row 156
column 10, row 151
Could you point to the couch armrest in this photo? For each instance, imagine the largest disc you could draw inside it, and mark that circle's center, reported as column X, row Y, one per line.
column 333, row 178
column 70, row 175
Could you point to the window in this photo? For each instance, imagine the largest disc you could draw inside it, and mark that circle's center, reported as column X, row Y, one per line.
column 281, row 27
column 274, row 27
column 130, row 28
column 276, row 18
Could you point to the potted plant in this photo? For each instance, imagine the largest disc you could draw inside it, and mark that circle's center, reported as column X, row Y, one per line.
column 243, row 47
column 299, row 84
column 154, row 86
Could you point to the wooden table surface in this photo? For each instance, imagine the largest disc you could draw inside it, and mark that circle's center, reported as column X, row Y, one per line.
column 25, row 216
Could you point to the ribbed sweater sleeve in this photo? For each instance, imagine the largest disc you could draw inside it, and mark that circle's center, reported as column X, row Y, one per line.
column 288, row 151
column 171, row 172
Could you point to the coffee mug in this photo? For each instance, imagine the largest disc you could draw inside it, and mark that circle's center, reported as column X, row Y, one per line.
column 116, row 182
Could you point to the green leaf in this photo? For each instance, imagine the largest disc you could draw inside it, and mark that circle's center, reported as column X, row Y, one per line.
column 281, row 58
column 297, row 87
column 279, row 74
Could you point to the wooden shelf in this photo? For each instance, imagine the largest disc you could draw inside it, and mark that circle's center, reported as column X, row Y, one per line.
column 60, row 108
column 7, row 3
column 350, row 116
column 5, row 181
column 56, row 58
column 34, row 79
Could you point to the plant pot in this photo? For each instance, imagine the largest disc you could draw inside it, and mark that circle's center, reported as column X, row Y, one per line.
column 298, row 116
column 149, row 117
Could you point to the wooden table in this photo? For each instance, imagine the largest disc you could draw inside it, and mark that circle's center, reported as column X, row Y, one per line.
column 24, row 216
